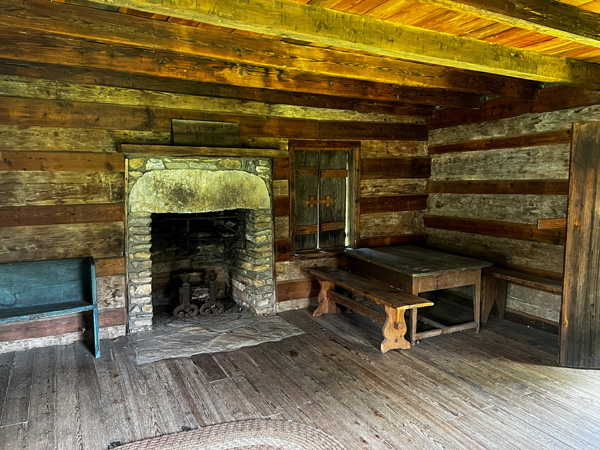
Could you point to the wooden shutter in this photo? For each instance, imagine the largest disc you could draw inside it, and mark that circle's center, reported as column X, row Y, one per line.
column 320, row 196
column 333, row 181
column 306, row 185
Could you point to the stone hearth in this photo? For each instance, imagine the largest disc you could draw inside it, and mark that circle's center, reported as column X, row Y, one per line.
column 188, row 185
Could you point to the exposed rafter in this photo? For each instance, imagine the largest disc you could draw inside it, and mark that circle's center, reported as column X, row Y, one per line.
column 314, row 24
column 543, row 16
column 66, row 20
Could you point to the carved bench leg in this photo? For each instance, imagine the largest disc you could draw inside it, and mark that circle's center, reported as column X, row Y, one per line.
column 326, row 305
column 394, row 330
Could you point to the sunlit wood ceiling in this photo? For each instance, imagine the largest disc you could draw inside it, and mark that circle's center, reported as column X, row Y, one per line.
column 489, row 47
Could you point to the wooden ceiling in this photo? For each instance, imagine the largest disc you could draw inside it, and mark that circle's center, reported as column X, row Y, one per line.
column 538, row 40
column 398, row 53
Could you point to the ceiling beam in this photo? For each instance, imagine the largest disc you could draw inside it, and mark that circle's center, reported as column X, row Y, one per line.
column 549, row 17
column 40, row 47
column 121, row 29
column 286, row 18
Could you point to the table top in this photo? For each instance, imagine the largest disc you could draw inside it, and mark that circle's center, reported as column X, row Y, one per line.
column 416, row 261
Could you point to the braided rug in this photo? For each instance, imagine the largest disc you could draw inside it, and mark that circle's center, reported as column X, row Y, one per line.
column 244, row 435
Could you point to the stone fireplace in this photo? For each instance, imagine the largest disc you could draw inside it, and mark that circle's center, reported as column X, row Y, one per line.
column 226, row 191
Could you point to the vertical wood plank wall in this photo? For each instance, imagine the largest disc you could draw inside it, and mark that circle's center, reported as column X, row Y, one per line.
column 490, row 183
column 62, row 176
column 580, row 328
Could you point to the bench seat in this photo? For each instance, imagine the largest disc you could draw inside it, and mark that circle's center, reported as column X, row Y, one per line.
column 495, row 287
column 41, row 311
column 393, row 301
column 38, row 289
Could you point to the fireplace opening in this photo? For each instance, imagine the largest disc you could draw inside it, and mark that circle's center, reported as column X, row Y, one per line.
column 194, row 259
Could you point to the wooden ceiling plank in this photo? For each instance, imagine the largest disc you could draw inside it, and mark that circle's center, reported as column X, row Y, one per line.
column 111, row 28
column 290, row 19
column 548, row 17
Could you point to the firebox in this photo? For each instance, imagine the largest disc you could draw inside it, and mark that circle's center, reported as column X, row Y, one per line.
column 201, row 223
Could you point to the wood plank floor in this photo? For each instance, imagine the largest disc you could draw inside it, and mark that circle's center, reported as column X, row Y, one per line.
column 497, row 389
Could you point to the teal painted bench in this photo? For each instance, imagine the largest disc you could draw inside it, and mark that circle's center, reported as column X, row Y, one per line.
column 38, row 289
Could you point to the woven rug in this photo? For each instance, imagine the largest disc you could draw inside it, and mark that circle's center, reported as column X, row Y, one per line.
column 244, row 435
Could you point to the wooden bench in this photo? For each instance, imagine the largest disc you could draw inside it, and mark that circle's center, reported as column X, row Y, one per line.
column 38, row 289
column 393, row 301
column 495, row 286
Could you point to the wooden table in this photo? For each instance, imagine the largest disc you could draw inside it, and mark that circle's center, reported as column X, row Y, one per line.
column 415, row 270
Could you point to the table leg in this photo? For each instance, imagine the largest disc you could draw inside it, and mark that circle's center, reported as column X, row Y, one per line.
column 413, row 318
column 326, row 305
column 477, row 301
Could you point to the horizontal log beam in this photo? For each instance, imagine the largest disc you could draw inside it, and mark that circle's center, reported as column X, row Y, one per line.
column 372, row 205
column 48, row 89
column 386, row 241
column 509, row 230
column 293, row 290
column 61, row 161
column 128, row 80
column 33, row 112
column 549, row 17
column 282, row 250
column 530, row 140
column 281, row 169
column 53, row 215
column 281, row 206
column 44, row 242
column 549, row 99
column 552, row 224
column 66, row 20
column 41, row 48
column 535, row 187
column 110, row 266
column 188, row 150
column 55, row 326
column 289, row 19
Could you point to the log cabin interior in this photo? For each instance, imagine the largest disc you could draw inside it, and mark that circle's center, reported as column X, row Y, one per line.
column 276, row 149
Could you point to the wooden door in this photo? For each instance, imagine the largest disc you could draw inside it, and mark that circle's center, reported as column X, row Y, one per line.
column 580, row 316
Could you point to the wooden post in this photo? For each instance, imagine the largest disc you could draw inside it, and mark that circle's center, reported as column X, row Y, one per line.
column 580, row 314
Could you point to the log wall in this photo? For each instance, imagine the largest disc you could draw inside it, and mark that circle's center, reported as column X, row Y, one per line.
column 490, row 182
column 62, row 175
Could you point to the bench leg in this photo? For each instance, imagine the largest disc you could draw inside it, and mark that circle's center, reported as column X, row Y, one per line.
column 96, row 326
column 394, row 330
column 326, row 305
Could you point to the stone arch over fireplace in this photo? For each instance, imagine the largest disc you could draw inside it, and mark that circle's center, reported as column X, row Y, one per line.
column 158, row 185
column 194, row 190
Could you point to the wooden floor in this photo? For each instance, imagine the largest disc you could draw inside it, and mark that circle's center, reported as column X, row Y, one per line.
column 496, row 389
